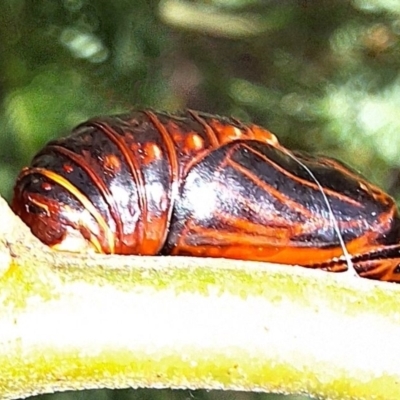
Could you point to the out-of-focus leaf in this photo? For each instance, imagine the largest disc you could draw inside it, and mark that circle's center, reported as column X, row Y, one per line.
column 215, row 21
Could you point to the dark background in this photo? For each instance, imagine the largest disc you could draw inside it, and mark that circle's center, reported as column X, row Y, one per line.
column 322, row 74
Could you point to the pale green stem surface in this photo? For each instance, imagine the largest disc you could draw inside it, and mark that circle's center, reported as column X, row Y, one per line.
column 69, row 322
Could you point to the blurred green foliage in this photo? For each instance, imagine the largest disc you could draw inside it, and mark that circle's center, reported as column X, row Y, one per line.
column 323, row 75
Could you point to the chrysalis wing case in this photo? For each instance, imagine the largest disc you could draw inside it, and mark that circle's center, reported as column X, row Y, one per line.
column 150, row 183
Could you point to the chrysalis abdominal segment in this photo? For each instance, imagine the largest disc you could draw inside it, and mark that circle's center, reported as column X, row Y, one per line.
column 140, row 183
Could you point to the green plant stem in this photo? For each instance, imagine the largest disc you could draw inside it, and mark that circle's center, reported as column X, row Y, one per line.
column 76, row 322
